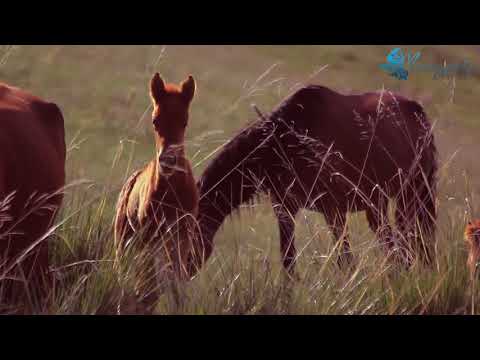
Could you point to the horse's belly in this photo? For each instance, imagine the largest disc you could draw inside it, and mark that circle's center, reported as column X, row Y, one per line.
column 340, row 189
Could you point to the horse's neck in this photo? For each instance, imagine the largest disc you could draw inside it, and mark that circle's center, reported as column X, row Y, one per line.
column 176, row 188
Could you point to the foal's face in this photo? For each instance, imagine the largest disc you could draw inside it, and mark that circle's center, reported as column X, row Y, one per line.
column 472, row 236
column 170, row 110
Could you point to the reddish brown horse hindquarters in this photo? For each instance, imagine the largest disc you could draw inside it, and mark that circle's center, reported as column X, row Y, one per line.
column 32, row 167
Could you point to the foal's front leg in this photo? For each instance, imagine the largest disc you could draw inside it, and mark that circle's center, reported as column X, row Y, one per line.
column 336, row 221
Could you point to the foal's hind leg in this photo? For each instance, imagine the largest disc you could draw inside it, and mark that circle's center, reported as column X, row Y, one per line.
column 286, row 222
column 336, row 220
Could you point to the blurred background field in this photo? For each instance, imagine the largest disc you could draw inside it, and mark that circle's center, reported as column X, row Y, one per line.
column 103, row 93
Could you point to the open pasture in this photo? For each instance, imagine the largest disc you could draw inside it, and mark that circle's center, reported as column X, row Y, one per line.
column 103, row 94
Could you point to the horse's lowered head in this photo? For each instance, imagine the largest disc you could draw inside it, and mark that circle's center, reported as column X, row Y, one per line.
column 170, row 115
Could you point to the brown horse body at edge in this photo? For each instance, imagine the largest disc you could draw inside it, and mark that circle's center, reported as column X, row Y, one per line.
column 32, row 176
column 331, row 153
column 163, row 197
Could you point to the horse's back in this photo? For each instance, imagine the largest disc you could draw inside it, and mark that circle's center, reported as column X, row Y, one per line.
column 353, row 122
column 397, row 128
column 32, row 142
column 370, row 136
column 327, row 113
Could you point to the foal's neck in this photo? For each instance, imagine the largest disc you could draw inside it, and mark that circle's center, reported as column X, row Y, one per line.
column 179, row 166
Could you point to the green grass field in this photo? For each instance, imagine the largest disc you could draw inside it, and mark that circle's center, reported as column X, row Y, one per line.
column 103, row 93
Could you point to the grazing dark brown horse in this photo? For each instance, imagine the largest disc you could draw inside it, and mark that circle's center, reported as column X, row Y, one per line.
column 161, row 200
column 331, row 153
column 32, row 175
column 472, row 237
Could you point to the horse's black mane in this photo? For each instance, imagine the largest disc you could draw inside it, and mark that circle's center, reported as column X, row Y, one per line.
column 233, row 176
column 260, row 129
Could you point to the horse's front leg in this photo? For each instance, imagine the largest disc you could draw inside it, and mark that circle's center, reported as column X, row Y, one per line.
column 186, row 247
column 285, row 214
column 336, row 221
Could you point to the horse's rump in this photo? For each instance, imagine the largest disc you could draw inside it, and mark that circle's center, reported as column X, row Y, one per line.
column 32, row 166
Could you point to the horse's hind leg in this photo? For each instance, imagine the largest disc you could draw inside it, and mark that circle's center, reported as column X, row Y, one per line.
column 336, row 220
column 286, row 222
column 377, row 217
column 410, row 210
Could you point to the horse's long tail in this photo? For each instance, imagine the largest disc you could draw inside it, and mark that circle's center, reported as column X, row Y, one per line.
column 426, row 178
column 420, row 193
column 425, row 204
column 428, row 193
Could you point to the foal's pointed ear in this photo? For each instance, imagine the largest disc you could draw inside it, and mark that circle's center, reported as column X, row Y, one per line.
column 188, row 88
column 157, row 88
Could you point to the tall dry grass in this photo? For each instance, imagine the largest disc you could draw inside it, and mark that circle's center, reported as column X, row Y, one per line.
column 244, row 275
